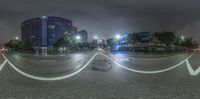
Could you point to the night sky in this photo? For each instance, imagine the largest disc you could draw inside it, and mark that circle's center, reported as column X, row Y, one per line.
column 104, row 18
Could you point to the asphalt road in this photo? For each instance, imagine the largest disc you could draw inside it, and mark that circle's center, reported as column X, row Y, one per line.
column 115, row 82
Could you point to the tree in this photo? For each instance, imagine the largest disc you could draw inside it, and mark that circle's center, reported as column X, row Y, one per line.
column 25, row 45
column 103, row 44
column 64, row 41
column 19, row 45
column 112, row 42
column 93, row 45
column 13, row 44
column 186, row 42
column 165, row 37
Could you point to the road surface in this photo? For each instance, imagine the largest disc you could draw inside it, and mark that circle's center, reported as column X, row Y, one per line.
column 115, row 82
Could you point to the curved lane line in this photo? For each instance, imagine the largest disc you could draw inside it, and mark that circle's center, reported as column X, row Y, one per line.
column 149, row 72
column 3, row 64
column 191, row 71
column 152, row 59
column 48, row 78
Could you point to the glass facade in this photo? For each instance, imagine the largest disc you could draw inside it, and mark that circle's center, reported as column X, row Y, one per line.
column 57, row 28
column 31, row 31
column 84, row 35
column 45, row 31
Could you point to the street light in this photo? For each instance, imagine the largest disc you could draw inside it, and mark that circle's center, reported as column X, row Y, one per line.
column 78, row 37
column 117, row 36
column 95, row 37
column 182, row 37
column 17, row 38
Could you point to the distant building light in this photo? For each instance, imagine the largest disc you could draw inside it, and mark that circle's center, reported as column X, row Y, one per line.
column 44, row 17
column 124, row 36
column 32, row 36
column 51, row 26
column 95, row 37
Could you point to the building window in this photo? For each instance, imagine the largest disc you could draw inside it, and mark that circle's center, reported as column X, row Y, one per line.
column 53, row 35
column 32, row 36
column 51, row 26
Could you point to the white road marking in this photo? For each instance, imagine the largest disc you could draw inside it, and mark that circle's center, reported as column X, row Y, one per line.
column 3, row 64
column 123, row 59
column 150, row 59
column 49, row 78
column 149, row 72
column 191, row 71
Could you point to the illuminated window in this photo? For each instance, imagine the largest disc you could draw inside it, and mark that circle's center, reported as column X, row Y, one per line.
column 51, row 26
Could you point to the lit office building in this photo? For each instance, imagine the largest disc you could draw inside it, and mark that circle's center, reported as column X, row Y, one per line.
column 45, row 31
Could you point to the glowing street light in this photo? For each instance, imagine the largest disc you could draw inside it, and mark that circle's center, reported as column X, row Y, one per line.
column 117, row 36
column 44, row 17
column 17, row 38
column 182, row 37
column 78, row 37
column 95, row 37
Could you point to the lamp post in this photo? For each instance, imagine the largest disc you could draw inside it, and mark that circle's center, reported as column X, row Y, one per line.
column 182, row 39
column 16, row 38
column 117, row 37
column 78, row 37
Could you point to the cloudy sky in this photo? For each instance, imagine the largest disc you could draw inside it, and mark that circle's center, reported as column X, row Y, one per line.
column 104, row 18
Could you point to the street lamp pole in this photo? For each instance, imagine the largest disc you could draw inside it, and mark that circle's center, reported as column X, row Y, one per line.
column 182, row 39
column 78, row 40
column 16, row 38
column 117, row 37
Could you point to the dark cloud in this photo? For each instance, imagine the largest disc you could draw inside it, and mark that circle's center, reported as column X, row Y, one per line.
column 106, row 17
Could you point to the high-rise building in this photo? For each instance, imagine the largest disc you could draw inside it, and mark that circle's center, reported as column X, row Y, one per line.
column 45, row 31
column 84, row 35
column 74, row 30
